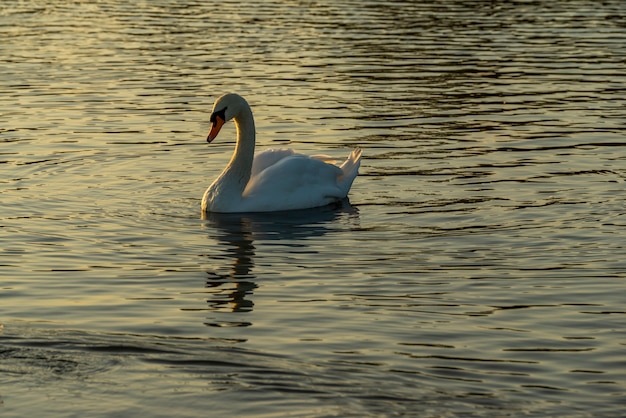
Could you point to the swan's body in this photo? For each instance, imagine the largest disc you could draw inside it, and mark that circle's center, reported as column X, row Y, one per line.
column 275, row 179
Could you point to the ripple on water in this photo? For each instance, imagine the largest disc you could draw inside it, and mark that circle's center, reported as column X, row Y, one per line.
column 475, row 273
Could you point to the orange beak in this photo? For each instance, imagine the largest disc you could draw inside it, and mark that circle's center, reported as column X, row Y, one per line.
column 215, row 128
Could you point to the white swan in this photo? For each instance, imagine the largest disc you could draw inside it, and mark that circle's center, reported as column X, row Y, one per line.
column 275, row 179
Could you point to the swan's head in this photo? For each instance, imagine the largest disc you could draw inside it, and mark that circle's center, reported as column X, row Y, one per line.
column 225, row 108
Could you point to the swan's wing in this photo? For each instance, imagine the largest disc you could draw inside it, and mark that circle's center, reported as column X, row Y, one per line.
column 268, row 157
column 326, row 158
column 293, row 182
column 271, row 156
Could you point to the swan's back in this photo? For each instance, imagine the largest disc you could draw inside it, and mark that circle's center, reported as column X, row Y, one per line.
column 284, row 180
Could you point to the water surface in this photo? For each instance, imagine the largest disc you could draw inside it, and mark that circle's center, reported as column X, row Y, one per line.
column 478, row 269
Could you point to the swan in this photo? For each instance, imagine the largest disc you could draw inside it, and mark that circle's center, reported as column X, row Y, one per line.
column 275, row 179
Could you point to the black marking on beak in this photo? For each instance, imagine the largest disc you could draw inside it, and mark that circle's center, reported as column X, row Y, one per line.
column 218, row 114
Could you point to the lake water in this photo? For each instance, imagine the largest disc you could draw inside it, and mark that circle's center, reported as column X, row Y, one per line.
column 480, row 270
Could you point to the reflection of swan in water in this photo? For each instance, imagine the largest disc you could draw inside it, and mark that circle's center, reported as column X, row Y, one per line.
column 236, row 233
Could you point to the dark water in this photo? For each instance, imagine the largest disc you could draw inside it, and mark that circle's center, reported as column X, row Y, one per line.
column 479, row 270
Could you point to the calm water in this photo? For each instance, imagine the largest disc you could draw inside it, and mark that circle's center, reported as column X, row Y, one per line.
column 478, row 272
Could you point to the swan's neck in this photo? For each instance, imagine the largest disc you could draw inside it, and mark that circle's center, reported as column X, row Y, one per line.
column 236, row 175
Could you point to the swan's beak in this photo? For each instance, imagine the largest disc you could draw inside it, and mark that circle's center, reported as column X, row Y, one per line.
column 215, row 129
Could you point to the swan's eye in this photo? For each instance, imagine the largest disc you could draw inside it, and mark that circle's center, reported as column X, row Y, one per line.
column 218, row 114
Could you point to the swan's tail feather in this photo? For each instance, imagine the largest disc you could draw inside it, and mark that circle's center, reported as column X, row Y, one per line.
column 350, row 169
